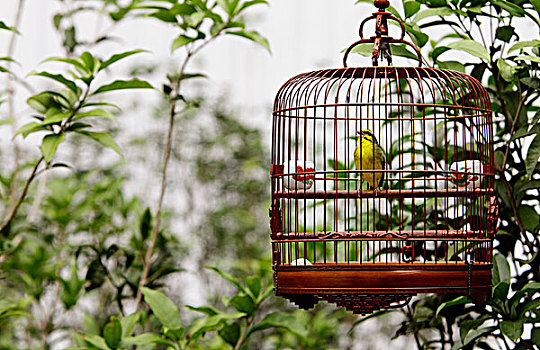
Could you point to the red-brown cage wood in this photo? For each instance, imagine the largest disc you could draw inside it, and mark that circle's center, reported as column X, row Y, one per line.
column 428, row 228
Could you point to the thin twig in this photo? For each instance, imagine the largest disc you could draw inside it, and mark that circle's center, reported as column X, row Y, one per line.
column 514, row 122
column 167, row 155
column 243, row 336
column 11, row 102
column 16, row 206
column 176, row 88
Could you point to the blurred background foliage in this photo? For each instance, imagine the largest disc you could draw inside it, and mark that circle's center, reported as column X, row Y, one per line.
column 75, row 241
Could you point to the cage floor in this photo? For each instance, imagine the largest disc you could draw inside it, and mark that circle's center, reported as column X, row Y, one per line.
column 366, row 287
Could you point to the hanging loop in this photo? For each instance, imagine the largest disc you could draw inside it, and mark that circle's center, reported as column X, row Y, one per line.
column 381, row 41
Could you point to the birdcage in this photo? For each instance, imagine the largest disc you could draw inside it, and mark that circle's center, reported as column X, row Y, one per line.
column 382, row 182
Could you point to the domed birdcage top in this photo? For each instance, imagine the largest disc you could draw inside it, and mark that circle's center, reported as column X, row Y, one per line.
column 382, row 181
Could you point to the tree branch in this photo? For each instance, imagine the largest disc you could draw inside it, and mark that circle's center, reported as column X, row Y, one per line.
column 17, row 204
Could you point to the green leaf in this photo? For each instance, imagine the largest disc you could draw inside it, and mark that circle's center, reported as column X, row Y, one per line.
column 416, row 34
column 530, row 287
column 8, row 59
column 411, row 7
column 96, row 341
column 207, row 310
column 250, row 3
column 529, row 217
column 466, row 326
column 50, row 144
column 243, row 303
column 477, row 333
column 535, row 336
column 229, row 278
column 438, row 51
column 4, row 26
column 529, row 306
column 533, row 154
column 41, row 102
column 54, row 116
column 511, row 8
column 439, row 11
column 230, row 333
column 123, row 84
column 112, row 333
column 528, row 58
column 98, row 112
column 181, row 40
column 72, row 61
column 102, row 137
column 97, row 104
column 452, row 65
column 145, row 224
column 29, row 128
column 531, row 82
column 501, row 269
column 89, row 61
column 128, row 324
column 506, row 70
column 211, row 323
column 142, row 340
column 186, row 76
column 77, row 126
column 164, row 15
column 458, row 301
column 7, row 121
column 472, row 47
column 59, row 78
column 500, row 290
column 224, row 4
column 90, row 325
column 231, row 8
column 524, row 44
column 253, row 36
column 166, row 312
column 254, row 285
column 505, row 33
column 117, row 57
column 71, row 287
column 512, row 329
column 281, row 320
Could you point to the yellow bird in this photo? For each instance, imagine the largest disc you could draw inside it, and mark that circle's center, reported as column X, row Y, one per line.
column 369, row 156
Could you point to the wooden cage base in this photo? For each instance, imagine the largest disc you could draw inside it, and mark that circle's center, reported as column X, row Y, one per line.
column 359, row 304
column 366, row 288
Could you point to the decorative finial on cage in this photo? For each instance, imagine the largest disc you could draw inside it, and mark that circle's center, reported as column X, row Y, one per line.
column 382, row 4
column 381, row 41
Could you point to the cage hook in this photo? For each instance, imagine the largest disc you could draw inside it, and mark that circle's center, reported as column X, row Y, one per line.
column 382, row 40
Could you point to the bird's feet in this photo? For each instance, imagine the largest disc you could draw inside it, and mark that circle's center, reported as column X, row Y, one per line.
column 376, row 191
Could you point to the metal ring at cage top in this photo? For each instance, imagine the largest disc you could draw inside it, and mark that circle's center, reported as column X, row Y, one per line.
column 381, row 40
column 388, row 16
column 391, row 41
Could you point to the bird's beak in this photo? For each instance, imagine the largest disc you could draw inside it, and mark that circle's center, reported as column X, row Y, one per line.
column 359, row 133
